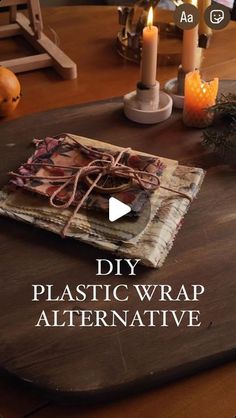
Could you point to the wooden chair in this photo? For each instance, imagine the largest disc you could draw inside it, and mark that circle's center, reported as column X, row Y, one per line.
column 31, row 29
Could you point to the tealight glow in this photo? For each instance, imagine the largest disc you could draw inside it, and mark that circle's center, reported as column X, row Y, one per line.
column 199, row 97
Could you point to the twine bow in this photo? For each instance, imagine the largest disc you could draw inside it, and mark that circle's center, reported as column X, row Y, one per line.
column 104, row 164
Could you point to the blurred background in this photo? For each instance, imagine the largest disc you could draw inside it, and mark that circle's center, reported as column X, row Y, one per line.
column 167, row 3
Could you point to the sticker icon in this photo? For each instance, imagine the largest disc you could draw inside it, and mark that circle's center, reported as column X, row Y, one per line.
column 216, row 16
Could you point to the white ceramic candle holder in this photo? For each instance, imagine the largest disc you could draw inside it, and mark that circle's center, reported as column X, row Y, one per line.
column 175, row 88
column 171, row 88
column 148, row 104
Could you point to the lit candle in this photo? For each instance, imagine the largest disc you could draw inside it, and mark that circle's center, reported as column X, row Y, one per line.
column 199, row 96
column 190, row 46
column 149, row 52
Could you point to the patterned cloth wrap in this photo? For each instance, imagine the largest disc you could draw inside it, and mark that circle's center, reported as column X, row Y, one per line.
column 62, row 155
column 168, row 203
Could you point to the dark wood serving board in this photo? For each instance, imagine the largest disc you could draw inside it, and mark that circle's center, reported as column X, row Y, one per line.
column 76, row 362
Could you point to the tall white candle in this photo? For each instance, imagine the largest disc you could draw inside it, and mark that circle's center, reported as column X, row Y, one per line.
column 189, row 51
column 203, row 27
column 190, row 46
column 149, row 52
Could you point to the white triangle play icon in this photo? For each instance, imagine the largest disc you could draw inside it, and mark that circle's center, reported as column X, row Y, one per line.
column 117, row 209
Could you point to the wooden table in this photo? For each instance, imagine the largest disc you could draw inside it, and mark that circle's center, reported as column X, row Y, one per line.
column 205, row 395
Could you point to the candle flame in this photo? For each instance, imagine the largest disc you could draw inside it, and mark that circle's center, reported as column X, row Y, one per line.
column 193, row 2
column 150, row 17
column 203, row 88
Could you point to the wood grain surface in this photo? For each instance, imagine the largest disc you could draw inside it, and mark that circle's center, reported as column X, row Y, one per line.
column 64, row 361
column 103, row 74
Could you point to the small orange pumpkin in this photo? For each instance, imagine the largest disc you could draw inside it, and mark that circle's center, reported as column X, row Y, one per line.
column 10, row 91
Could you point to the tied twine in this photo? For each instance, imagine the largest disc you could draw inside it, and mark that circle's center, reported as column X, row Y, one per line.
column 104, row 164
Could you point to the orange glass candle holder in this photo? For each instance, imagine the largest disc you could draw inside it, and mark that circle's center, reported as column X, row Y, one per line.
column 199, row 97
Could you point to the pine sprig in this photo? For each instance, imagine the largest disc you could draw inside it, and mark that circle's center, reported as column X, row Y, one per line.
column 221, row 137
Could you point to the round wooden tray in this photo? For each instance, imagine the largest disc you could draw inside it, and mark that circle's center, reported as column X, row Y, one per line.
column 77, row 363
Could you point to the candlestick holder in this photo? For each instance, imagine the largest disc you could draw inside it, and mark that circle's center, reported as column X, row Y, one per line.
column 175, row 88
column 148, row 105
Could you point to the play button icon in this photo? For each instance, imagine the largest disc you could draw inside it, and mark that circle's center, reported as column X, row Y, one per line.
column 111, row 225
column 117, row 209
